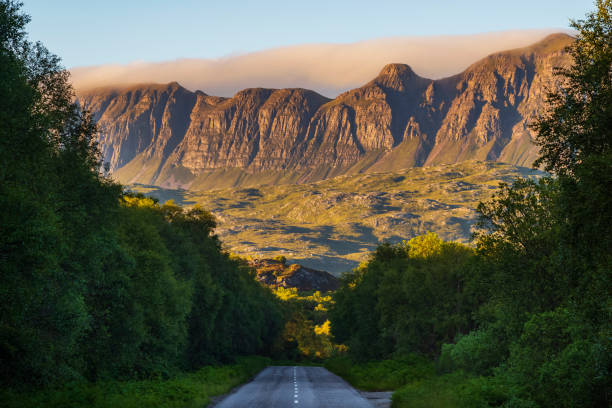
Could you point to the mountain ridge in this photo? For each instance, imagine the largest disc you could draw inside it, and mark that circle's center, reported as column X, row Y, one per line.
column 165, row 135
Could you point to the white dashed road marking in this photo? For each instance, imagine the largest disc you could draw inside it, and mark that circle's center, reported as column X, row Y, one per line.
column 295, row 387
column 319, row 388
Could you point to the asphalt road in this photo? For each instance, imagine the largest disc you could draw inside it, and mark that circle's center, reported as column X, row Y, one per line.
column 295, row 387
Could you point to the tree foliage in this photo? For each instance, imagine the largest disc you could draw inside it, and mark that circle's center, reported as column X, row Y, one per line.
column 578, row 123
column 96, row 282
column 409, row 298
column 306, row 334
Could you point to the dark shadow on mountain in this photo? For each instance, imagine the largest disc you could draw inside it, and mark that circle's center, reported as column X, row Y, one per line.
column 162, row 194
column 332, row 264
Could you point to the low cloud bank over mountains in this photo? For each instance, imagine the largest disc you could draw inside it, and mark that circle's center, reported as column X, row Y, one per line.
column 326, row 68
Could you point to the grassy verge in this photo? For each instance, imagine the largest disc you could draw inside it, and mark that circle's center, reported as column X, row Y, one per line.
column 445, row 391
column 185, row 391
column 416, row 384
column 385, row 375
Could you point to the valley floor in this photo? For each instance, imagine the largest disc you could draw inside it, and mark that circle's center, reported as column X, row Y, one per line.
column 333, row 225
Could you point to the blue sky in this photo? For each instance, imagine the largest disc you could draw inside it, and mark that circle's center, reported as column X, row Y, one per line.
column 94, row 32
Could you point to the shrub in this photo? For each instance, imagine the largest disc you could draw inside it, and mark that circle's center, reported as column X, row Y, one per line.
column 476, row 352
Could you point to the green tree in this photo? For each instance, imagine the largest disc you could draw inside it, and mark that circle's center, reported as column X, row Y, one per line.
column 96, row 283
column 52, row 197
column 546, row 245
column 578, row 123
column 575, row 138
column 556, row 363
column 409, row 298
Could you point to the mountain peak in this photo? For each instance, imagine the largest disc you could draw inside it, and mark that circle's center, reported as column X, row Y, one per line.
column 397, row 76
column 397, row 70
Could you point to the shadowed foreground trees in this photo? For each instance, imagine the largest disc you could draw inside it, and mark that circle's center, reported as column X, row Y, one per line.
column 96, row 283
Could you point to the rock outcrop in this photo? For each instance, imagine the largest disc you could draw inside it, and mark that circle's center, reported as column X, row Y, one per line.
column 169, row 136
column 276, row 273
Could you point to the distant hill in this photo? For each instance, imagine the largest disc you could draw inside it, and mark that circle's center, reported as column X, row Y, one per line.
column 167, row 136
column 276, row 273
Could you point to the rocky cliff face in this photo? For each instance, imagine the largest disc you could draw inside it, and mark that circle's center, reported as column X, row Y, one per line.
column 148, row 119
column 167, row 135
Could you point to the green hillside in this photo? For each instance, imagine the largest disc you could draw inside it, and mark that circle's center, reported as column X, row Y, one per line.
column 334, row 224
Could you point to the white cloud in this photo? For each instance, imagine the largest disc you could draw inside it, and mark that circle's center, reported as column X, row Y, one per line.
column 326, row 68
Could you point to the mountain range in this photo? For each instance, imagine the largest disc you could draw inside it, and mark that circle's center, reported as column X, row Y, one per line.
column 168, row 136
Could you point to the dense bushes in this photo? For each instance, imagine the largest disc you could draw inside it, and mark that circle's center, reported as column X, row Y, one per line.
column 508, row 325
column 409, row 298
column 95, row 282
column 476, row 352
